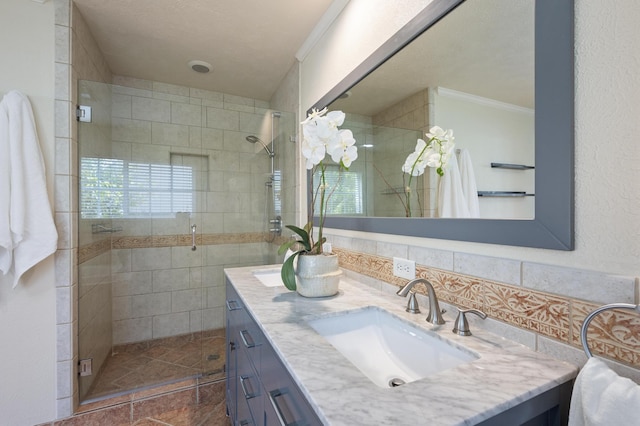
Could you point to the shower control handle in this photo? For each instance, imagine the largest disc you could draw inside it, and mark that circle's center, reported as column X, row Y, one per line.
column 193, row 237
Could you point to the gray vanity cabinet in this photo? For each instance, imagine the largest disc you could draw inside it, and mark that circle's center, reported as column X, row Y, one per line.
column 260, row 390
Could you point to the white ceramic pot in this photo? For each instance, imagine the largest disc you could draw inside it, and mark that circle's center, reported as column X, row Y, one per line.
column 318, row 275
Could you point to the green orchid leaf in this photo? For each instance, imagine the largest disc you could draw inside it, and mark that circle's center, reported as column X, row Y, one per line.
column 286, row 246
column 287, row 273
column 303, row 234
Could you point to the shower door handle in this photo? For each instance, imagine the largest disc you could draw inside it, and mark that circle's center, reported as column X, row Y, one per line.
column 193, row 237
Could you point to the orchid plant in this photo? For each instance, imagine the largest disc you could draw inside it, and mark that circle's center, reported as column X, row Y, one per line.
column 321, row 136
column 436, row 152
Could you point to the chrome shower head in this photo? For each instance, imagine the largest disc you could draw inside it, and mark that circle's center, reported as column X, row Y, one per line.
column 254, row 139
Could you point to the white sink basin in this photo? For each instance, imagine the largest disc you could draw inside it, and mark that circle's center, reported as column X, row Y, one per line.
column 386, row 349
column 269, row 277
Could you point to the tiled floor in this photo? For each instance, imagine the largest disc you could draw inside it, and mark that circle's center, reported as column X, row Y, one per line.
column 141, row 365
column 184, row 405
column 154, row 384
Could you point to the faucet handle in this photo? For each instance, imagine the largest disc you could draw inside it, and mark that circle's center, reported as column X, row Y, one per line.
column 412, row 304
column 461, row 326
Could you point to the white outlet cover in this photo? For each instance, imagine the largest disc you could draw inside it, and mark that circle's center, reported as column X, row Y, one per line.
column 404, row 268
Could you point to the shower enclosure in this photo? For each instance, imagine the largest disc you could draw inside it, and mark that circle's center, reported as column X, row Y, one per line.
column 171, row 193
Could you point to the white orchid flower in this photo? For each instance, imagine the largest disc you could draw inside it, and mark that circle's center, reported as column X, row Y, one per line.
column 342, row 149
column 435, row 153
column 314, row 115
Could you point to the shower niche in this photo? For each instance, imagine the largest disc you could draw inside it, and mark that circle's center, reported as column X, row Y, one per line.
column 170, row 193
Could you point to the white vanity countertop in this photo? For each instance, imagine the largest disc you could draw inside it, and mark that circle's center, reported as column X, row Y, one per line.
column 506, row 373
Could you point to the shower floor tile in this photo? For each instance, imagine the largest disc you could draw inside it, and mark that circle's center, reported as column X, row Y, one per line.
column 142, row 365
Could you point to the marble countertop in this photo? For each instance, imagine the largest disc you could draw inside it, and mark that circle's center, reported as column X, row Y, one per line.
column 505, row 374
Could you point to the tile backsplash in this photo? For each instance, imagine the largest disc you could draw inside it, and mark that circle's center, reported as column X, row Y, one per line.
column 544, row 303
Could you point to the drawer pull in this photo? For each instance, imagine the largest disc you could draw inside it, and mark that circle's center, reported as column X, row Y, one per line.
column 235, row 304
column 247, row 394
column 245, row 422
column 247, row 339
column 282, row 409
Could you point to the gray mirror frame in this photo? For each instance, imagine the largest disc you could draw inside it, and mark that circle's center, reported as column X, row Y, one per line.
column 553, row 225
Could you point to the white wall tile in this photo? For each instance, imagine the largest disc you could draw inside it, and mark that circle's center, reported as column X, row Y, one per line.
column 121, row 106
column 593, row 286
column 169, row 134
column 121, row 308
column 434, row 258
column 493, row 268
column 146, row 259
column 125, row 130
column 130, row 283
column 150, row 109
column 132, row 330
column 170, row 325
column 171, row 280
column 213, row 318
column 186, row 300
column 392, row 250
column 145, row 305
column 120, row 260
column 222, row 119
column 190, row 115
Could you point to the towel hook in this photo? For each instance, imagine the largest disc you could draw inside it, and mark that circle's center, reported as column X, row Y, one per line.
column 587, row 320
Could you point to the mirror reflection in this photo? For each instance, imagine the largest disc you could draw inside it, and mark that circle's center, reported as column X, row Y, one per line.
column 473, row 73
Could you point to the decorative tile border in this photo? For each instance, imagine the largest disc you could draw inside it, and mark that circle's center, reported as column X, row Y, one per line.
column 92, row 250
column 88, row 252
column 613, row 334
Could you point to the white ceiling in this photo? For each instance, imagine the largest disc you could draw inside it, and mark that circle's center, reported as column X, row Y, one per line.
column 251, row 44
column 484, row 48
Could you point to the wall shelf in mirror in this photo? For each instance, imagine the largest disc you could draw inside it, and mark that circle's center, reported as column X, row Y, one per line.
column 504, row 194
column 552, row 226
column 511, row 166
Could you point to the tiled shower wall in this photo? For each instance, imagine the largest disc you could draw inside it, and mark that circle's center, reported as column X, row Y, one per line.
column 161, row 287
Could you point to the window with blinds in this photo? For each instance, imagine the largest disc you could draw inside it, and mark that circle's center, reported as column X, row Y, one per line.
column 111, row 188
column 345, row 189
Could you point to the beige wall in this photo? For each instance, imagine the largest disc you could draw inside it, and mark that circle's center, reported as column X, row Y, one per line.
column 607, row 153
column 28, row 312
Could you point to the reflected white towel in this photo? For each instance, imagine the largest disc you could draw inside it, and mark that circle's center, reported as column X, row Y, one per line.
column 451, row 200
column 27, row 231
column 468, row 179
column 601, row 397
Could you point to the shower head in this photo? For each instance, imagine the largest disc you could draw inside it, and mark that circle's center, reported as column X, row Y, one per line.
column 254, row 139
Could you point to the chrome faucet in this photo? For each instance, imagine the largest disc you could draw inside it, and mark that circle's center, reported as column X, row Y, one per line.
column 462, row 325
column 435, row 316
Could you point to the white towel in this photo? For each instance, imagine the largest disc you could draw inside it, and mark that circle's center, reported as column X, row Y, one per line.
column 27, row 231
column 451, row 200
column 468, row 179
column 602, row 398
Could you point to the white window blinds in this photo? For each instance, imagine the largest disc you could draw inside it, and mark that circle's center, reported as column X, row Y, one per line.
column 111, row 188
column 345, row 189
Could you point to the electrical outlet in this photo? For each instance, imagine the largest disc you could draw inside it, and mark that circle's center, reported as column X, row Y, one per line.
column 404, row 268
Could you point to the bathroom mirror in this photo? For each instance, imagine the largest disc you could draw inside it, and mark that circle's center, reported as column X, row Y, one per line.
column 551, row 225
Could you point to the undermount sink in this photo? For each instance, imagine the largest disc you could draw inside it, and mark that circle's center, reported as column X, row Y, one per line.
column 269, row 277
column 386, row 349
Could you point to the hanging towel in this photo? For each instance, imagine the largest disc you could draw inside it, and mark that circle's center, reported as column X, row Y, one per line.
column 468, row 179
column 451, row 200
column 601, row 397
column 27, row 230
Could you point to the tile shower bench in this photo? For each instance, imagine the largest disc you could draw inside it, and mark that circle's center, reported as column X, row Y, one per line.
column 280, row 371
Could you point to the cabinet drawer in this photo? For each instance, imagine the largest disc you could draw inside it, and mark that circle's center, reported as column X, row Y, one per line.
column 284, row 402
column 249, row 386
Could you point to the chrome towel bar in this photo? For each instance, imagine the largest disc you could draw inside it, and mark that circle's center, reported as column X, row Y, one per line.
column 587, row 320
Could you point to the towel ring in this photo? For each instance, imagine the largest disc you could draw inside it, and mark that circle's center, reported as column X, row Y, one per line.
column 587, row 320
